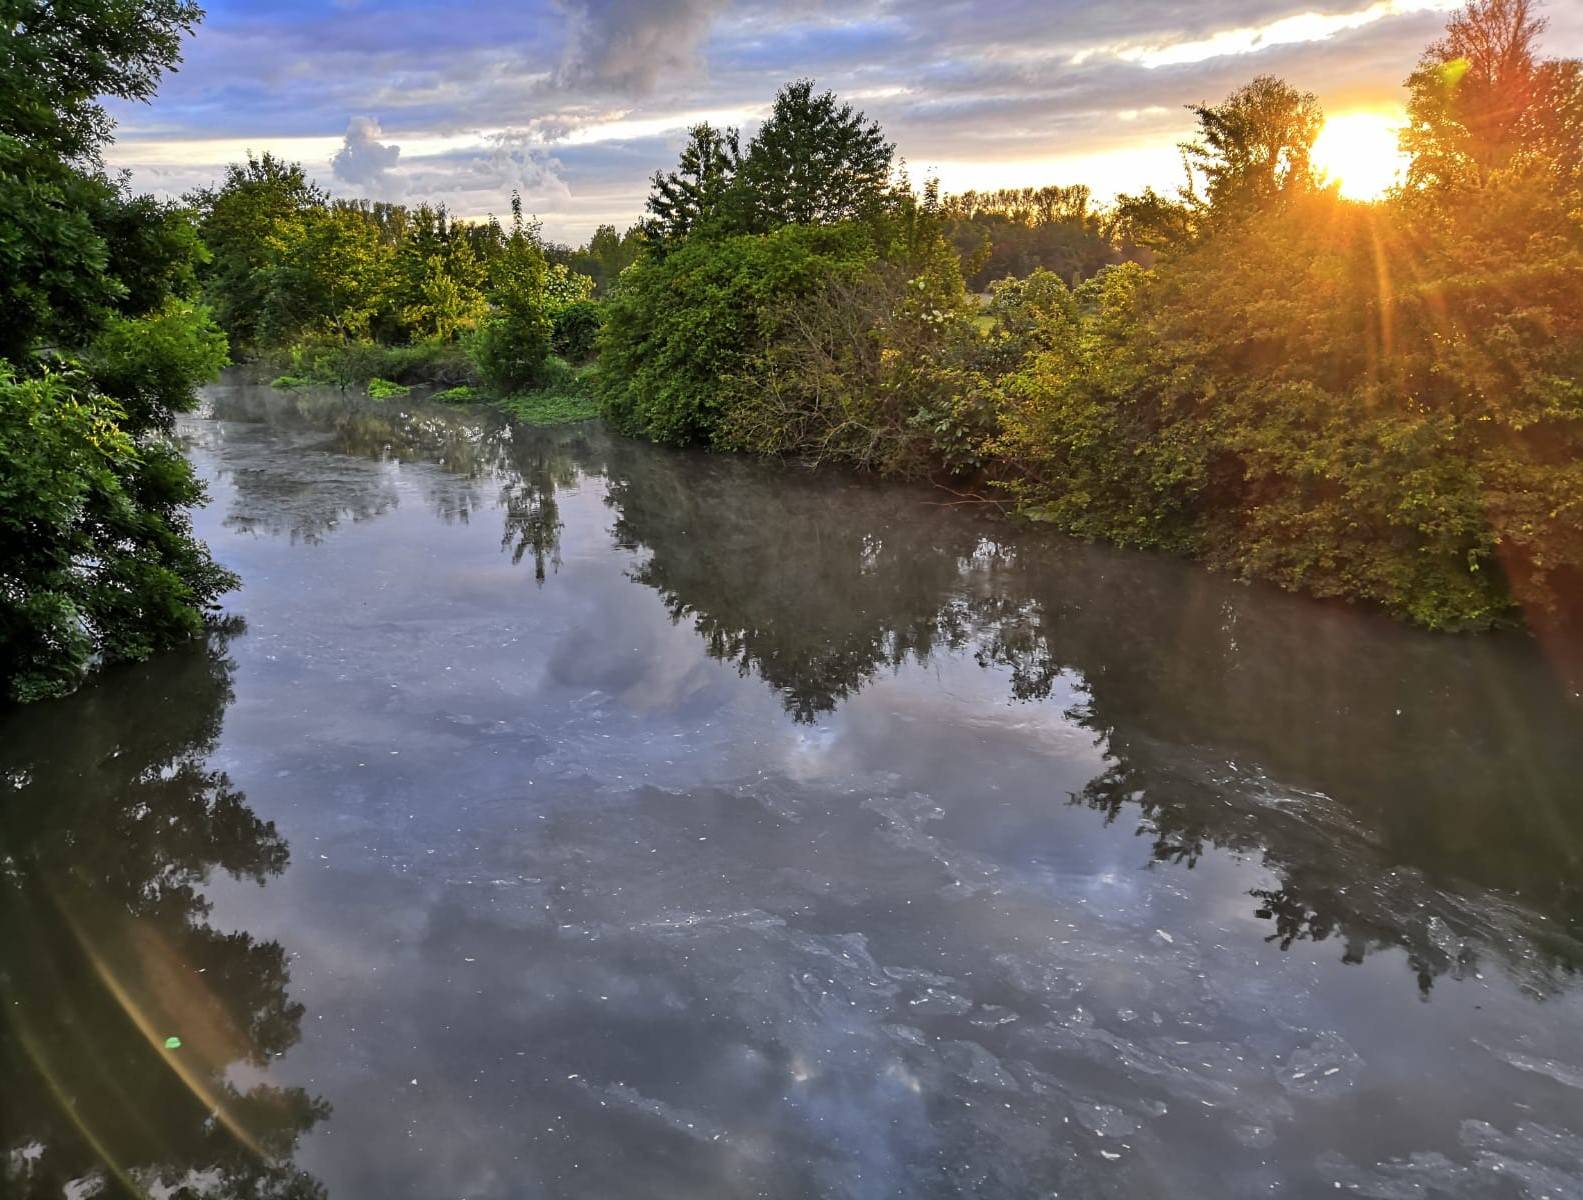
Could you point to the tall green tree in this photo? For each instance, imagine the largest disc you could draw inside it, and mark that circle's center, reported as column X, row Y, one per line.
column 514, row 340
column 697, row 192
column 249, row 222
column 814, row 161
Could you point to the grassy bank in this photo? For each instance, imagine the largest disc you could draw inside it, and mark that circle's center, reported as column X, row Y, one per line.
column 564, row 394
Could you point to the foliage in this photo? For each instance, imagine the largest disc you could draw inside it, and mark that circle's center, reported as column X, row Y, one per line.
column 100, row 348
column 874, row 370
column 697, row 194
column 565, row 396
column 813, row 161
column 574, row 329
column 384, row 389
column 288, row 382
column 514, row 340
column 76, row 247
column 97, row 562
column 1481, row 98
column 606, row 255
column 563, row 286
column 1254, row 147
column 352, row 364
column 681, row 329
column 1015, row 231
column 152, row 364
column 58, row 58
column 462, row 393
column 248, row 223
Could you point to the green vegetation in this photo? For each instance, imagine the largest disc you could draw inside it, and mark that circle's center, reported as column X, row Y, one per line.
column 460, row 394
column 380, row 297
column 384, row 389
column 552, row 407
column 101, row 346
column 1375, row 402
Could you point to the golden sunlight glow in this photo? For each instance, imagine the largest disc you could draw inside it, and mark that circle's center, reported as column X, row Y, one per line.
column 1358, row 150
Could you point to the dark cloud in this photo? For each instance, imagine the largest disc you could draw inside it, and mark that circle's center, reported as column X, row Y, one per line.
column 632, row 46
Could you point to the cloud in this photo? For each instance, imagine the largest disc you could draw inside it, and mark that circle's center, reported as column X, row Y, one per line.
column 515, row 165
column 1285, row 31
column 578, row 102
column 631, row 46
column 364, row 161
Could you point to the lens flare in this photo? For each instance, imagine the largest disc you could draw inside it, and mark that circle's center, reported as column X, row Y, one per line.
column 1359, row 151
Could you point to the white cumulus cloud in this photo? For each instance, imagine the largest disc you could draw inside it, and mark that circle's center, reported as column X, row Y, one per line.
column 366, row 162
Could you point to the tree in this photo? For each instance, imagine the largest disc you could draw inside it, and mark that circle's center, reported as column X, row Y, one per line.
column 58, row 57
column 514, row 340
column 1255, row 145
column 1482, row 98
column 449, row 297
column 814, row 161
column 1150, row 221
column 248, row 224
column 695, row 193
column 682, row 329
column 97, row 561
column 332, row 277
column 100, row 347
column 607, row 255
column 1015, row 231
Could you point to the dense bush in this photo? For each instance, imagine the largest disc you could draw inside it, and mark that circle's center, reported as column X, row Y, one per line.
column 1270, row 399
column 574, row 329
column 683, row 329
column 97, row 561
column 353, row 364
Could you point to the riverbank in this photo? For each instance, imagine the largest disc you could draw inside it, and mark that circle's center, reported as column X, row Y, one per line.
column 445, row 374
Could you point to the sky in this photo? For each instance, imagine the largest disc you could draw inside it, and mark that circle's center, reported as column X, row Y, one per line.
column 576, row 103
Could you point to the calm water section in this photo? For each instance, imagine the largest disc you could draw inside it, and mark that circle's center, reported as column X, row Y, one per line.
column 577, row 818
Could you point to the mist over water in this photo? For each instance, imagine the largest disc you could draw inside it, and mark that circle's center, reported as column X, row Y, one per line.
column 574, row 817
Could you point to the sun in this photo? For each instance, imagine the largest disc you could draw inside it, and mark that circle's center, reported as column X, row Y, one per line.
column 1358, row 150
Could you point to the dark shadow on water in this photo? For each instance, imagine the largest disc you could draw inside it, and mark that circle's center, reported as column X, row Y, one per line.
column 108, row 833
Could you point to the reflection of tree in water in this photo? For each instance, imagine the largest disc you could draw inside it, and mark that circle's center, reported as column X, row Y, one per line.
column 307, row 495
column 112, row 824
column 280, row 487
column 1402, row 787
column 539, row 463
column 1406, row 789
column 813, row 587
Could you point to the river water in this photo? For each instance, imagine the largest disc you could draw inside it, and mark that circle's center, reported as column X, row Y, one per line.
column 563, row 816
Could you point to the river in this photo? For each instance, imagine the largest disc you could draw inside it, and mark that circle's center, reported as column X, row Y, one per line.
column 558, row 815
